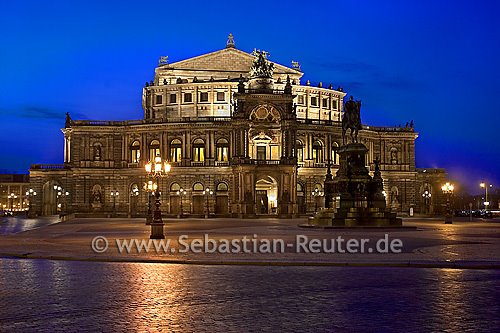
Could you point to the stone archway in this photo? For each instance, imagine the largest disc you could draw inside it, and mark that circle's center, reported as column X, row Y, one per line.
column 266, row 195
column 49, row 198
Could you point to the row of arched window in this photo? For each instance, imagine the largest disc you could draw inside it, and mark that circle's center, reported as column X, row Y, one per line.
column 222, row 151
column 198, row 150
column 317, row 152
column 199, row 188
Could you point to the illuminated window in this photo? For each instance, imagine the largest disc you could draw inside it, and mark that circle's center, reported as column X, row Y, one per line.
column 198, row 150
column 314, row 101
column 222, row 148
column 222, row 187
column 317, row 152
column 261, row 152
column 159, row 99
column 175, row 187
column 175, row 150
column 154, row 149
column 173, row 98
column 203, row 97
column 135, row 152
column 188, row 98
column 300, row 151
column 335, row 154
column 300, row 99
column 198, row 187
column 220, row 96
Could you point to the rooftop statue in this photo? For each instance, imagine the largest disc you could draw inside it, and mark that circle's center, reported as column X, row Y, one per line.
column 230, row 41
column 163, row 60
column 261, row 67
column 68, row 122
column 351, row 119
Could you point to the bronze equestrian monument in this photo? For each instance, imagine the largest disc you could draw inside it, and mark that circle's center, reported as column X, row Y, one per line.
column 362, row 197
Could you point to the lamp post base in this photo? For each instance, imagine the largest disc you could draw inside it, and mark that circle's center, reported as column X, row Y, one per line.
column 157, row 230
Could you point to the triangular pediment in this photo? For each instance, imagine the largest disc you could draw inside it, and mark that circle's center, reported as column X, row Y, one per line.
column 229, row 59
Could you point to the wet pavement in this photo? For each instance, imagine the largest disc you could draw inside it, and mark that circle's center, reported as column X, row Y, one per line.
column 17, row 224
column 67, row 296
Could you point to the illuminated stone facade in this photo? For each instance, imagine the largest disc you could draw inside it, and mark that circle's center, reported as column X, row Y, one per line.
column 260, row 150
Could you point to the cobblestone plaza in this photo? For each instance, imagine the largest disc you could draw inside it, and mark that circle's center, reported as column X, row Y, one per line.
column 445, row 279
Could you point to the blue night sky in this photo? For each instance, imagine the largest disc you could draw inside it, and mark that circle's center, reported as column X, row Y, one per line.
column 436, row 62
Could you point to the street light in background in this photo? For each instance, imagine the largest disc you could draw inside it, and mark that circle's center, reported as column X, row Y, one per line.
column 208, row 193
column 114, row 195
column 11, row 198
column 485, row 186
column 30, row 194
column 448, row 191
column 427, row 200
column 181, row 193
column 157, row 169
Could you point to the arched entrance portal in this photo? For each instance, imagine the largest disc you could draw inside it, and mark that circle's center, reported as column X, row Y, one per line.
column 49, row 198
column 266, row 194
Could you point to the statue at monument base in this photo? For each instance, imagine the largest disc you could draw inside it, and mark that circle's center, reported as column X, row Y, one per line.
column 362, row 200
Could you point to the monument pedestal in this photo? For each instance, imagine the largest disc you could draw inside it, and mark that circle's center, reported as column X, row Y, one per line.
column 362, row 202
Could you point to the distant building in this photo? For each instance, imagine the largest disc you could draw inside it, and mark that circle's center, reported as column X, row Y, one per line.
column 13, row 189
column 256, row 136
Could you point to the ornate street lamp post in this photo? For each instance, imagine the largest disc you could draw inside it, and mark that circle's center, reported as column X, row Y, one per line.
column 114, row 195
column 30, row 194
column 316, row 194
column 61, row 195
column 149, row 187
column 448, row 191
column 181, row 193
column 208, row 193
column 157, row 169
column 427, row 200
column 485, row 186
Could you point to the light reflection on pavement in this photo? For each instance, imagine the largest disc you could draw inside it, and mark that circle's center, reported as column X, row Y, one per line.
column 16, row 224
column 48, row 296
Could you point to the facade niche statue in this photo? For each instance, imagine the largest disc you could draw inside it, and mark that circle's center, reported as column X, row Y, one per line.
column 96, row 197
column 97, row 152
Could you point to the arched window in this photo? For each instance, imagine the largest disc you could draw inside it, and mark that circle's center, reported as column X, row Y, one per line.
column 335, row 154
column 300, row 190
column 222, row 147
column 154, row 149
column 135, row 152
column 175, row 150
column 222, row 187
column 175, row 187
column 199, row 150
column 300, row 151
column 317, row 151
column 197, row 187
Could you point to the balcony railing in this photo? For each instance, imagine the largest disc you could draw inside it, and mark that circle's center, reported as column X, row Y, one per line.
column 266, row 162
column 49, row 166
column 148, row 121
